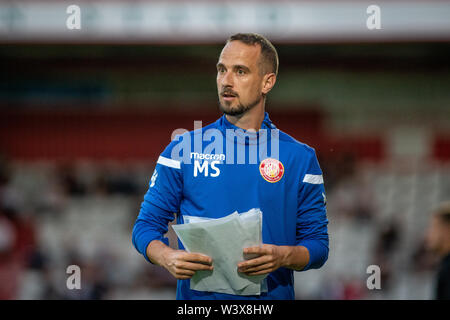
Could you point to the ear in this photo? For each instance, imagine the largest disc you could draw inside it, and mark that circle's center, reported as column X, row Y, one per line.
column 269, row 80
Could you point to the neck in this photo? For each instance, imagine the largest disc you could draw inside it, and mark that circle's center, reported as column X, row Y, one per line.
column 252, row 119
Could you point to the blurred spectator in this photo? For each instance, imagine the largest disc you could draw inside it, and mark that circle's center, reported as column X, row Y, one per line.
column 422, row 258
column 388, row 238
column 69, row 181
column 438, row 240
column 385, row 247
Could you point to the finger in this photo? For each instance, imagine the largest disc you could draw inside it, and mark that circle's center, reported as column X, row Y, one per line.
column 254, row 262
column 194, row 266
column 268, row 265
column 184, row 272
column 183, row 276
column 197, row 257
column 258, row 273
column 257, row 250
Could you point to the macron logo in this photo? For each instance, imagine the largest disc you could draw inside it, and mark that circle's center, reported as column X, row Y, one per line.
column 207, row 156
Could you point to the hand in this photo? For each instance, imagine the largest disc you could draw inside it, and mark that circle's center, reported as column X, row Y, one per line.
column 183, row 265
column 270, row 258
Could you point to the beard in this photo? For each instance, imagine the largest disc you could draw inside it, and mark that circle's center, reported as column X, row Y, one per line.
column 240, row 109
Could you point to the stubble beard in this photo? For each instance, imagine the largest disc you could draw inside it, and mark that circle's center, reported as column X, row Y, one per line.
column 240, row 109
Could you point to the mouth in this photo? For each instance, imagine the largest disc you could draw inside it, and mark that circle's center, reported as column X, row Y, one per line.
column 228, row 96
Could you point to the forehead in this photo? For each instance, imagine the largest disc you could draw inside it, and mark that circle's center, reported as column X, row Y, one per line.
column 239, row 53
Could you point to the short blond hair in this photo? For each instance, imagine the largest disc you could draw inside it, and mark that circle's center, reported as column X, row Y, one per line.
column 269, row 55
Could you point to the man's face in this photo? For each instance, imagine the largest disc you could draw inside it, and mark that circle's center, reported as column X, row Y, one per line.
column 437, row 235
column 239, row 79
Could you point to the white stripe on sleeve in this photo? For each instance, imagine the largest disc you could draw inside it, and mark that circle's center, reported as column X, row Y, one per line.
column 169, row 162
column 313, row 178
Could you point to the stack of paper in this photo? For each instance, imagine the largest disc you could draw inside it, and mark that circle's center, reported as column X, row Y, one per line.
column 223, row 240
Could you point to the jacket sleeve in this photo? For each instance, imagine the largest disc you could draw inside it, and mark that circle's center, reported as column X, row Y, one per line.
column 160, row 203
column 312, row 231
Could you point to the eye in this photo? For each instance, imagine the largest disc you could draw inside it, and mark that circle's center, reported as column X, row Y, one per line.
column 240, row 72
column 220, row 69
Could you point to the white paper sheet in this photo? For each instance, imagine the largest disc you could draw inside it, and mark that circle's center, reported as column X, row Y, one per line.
column 223, row 240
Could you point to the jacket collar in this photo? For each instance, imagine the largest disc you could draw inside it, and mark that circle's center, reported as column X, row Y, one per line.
column 266, row 124
column 250, row 137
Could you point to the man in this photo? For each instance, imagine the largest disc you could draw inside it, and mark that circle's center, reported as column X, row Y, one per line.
column 286, row 186
column 438, row 240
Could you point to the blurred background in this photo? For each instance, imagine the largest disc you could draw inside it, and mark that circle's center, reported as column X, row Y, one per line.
column 84, row 114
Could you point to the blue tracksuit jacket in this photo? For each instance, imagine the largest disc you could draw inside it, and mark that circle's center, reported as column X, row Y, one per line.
column 220, row 168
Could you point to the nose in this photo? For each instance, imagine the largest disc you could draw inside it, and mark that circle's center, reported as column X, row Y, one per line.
column 227, row 80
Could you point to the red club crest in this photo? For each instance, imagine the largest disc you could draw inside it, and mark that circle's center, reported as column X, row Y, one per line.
column 271, row 170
